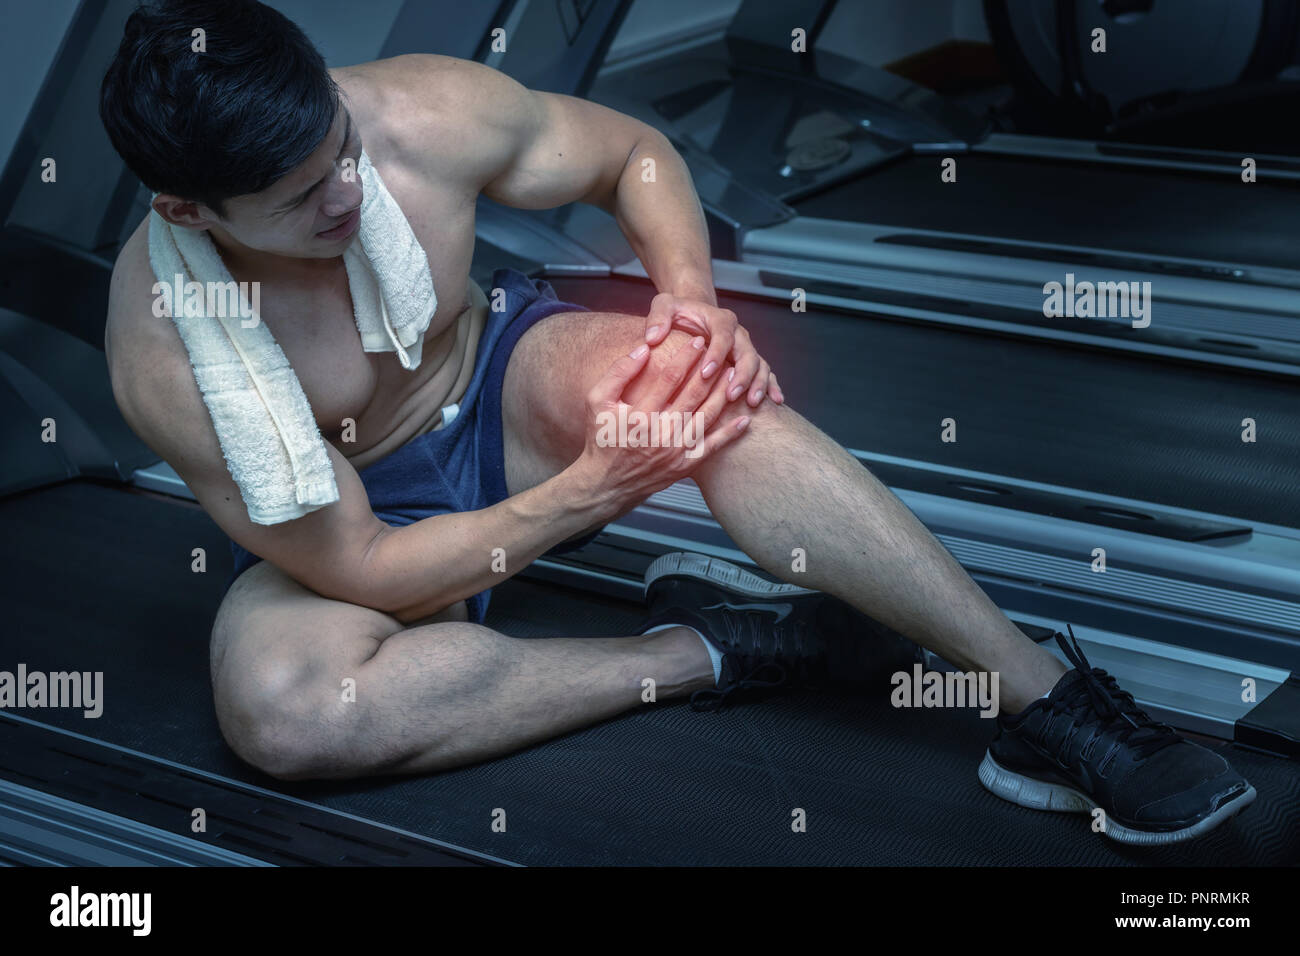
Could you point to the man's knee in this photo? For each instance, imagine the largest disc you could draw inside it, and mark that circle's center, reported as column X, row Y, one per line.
column 269, row 717
column 767, row 419
column 661, row 366
column 280, row 700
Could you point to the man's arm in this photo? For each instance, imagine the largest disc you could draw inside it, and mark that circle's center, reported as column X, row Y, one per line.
column 570, row 150
column 536, row 150
column 342, row 550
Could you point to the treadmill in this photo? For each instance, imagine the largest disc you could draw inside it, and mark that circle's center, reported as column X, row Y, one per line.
column 820, row 174
column 103, row 581
column 819, row 164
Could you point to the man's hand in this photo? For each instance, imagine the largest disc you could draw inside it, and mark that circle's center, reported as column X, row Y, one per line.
column 726, row 339
column 625, row 473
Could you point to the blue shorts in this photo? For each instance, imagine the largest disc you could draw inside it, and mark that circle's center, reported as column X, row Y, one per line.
column 461, row 467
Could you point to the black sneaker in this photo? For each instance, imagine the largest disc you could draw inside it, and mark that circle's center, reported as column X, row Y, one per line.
column 1088, row 744
column 771, row 635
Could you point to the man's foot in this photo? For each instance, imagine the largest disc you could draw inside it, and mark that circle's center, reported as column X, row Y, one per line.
column 1088, row 745
column 770, row 635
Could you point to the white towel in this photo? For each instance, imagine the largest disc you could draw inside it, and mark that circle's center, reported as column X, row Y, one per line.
column 268, row 434
column 392, row 312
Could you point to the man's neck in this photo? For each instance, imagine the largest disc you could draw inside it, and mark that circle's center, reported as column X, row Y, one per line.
column 266, row 266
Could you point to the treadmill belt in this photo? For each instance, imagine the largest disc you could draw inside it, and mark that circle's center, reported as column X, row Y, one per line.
column 103, row 582
column 1158, row 211
column 1137, row 427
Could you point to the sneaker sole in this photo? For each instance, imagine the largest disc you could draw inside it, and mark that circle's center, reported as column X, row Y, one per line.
column 1040, row 795
column 719, row 572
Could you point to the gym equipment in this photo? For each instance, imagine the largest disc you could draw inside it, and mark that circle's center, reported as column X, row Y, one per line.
column 865, row 207
column 1174, row 73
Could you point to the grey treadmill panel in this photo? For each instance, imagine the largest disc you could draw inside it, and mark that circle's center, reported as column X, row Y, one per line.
column 29, row 462
column 344, row 32
column 1161, row 212
column 29, row 41
column 44, row 830
column 1192, row 690
column 121, row 807
column 84, row 206
column 66, row 379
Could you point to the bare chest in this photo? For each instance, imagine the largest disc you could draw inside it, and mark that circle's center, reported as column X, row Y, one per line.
column 316, row 328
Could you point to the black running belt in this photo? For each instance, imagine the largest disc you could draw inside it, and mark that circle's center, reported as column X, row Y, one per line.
column 1156, row 211
column 103, row 582
column 1102, row 422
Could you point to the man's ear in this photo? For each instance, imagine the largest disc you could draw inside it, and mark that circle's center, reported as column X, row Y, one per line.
column 183, row 212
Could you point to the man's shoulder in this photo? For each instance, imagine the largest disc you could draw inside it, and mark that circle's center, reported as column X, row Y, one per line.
column 434, row 113
column 428, row 80
column 147, row 363
column 131, row 321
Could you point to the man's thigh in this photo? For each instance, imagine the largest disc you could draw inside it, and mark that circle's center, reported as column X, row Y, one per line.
column 553, row 367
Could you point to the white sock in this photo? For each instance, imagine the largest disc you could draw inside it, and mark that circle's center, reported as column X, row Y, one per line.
column 715, row 655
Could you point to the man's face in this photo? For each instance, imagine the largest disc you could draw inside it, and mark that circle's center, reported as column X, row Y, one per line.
column 314, row 211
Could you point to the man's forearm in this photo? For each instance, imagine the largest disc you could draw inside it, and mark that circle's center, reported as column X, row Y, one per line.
column 422, row 568
column 657, row 209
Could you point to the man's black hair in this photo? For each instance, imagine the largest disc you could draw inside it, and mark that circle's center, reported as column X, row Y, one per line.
column 228, row 121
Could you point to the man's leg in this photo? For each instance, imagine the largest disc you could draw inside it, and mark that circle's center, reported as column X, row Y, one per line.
column 863, row 545
column 307, row 687
column 784, row 485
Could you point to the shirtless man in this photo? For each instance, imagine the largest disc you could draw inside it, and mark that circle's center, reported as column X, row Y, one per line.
column 247, row 140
